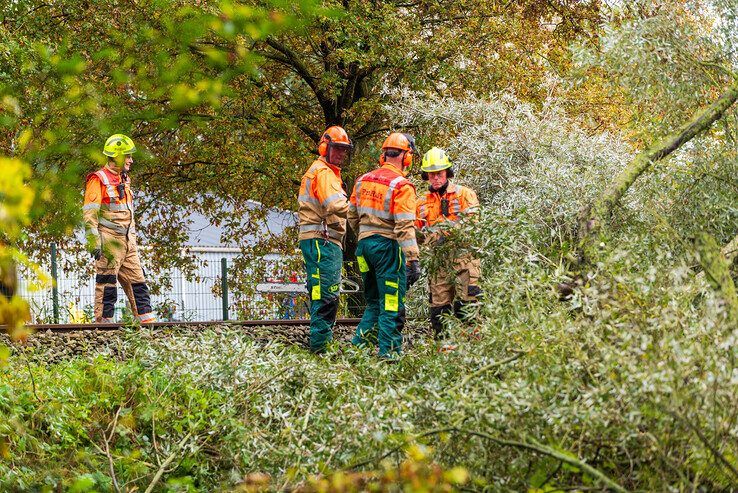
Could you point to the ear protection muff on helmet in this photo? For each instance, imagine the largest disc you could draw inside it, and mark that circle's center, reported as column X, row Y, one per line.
column 325, row 141
column 407, row 158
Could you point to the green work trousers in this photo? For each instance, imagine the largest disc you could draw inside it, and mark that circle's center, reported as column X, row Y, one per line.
column 382, row 266
column 323, row 261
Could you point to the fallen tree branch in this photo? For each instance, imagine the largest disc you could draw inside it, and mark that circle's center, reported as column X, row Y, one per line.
column 729, row 251
column 30, row 373
column 309, row 410
column 374, row 460
column 264, row 383
column 543, row 449
column 591, row 218
column 714, row 451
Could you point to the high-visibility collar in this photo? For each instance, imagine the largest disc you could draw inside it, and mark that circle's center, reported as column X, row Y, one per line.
column 336, row 170
column 394, row 168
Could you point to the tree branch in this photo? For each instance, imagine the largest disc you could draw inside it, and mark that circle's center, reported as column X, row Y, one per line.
column 715, row 452
column 107, row 439
column 488, row 367
column 532, row 446
column 290, row 59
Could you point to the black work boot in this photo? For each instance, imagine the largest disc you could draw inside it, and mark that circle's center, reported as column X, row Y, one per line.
column 439, row 331
column 459, row 310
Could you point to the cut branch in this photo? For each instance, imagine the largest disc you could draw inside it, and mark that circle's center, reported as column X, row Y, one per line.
column 108, row 438
column 729, row 251
column 705, row 441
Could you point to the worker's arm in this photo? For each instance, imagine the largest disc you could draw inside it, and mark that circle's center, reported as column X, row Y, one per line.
column 91, row 210
column 470, row 204
column 420, row 223
column 332, row 198
column 404, row 215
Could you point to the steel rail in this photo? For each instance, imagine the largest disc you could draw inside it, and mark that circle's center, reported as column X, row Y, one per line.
column 117, row 326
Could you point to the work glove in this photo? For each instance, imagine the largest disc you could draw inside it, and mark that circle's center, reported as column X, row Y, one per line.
column 413, row 272
column 96, row 253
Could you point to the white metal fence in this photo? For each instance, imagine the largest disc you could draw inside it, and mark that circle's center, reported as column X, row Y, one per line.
column 194, row 298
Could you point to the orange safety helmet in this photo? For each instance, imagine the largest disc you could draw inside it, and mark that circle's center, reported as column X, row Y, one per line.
column 334, row 136
column 402, row 142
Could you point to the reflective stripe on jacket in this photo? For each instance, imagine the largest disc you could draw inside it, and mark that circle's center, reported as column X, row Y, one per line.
column 322, row 203
column 103, row 209
column 383, row 203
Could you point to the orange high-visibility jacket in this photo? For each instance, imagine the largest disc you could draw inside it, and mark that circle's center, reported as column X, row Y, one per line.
column 322, row 203
column 462, row 201
column 104, row 209
column 383, row 203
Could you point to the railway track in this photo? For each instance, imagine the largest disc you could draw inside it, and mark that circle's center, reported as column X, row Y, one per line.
column 63, row 328
column 57, row 342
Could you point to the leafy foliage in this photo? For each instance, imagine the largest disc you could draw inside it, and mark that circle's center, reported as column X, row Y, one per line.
column 519, row 159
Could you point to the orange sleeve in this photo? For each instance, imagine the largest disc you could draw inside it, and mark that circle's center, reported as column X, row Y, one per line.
column 404, row 213
column 91, row 209
column 93, row 190
column 471, row 202
column 332, row 197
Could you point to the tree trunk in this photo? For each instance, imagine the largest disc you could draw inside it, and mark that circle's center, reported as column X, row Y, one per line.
column 592, row 218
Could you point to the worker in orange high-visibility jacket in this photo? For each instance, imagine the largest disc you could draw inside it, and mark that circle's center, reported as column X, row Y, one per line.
column 322, row 209
column 444, row 205
column 111, row 234
column 382, row 210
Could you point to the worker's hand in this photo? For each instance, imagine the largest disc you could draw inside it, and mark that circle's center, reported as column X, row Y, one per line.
column 413, row 272
column 97, row 253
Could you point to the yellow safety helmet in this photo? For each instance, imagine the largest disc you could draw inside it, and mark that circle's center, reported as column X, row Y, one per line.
column 119, row 145
column 436, row 160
